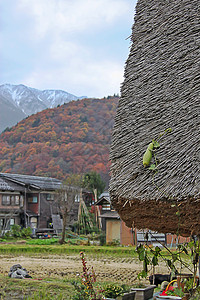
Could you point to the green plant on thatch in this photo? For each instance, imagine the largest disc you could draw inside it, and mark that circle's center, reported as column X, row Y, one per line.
column 159, row 90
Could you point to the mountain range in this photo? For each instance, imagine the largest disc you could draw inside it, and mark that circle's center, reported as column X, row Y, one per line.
column 19, row 101
column 71, row 138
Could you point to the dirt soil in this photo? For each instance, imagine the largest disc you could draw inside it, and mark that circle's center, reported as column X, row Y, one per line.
column 111, row 269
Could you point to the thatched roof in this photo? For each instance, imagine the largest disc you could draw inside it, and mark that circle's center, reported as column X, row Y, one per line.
column 161, row 90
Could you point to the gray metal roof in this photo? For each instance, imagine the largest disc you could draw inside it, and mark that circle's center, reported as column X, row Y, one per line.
column 34, row 182
column 104, row 195
column 6, row 185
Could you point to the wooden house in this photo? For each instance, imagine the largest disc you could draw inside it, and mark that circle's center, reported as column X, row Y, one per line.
column 26, row 200
column 116, row 229
column 29, row 201
column 112, row 225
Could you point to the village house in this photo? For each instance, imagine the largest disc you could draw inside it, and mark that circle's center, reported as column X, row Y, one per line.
column 116, row 230
column 29, row 201
column 26, row 200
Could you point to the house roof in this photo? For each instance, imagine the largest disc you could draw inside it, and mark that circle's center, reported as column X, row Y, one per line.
column 160, row 91
column 6, row 185
column 110, row 215
column 34, row 182
column 103, row 197
column 10, row 211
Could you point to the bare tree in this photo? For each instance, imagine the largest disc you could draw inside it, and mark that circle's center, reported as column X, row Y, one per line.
column 65, row 199
column 94, row 183
column 7, row 218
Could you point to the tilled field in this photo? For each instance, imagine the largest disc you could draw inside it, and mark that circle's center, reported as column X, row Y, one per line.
column 107, row 268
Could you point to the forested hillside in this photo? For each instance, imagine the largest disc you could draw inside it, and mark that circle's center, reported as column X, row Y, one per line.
column 72, row 138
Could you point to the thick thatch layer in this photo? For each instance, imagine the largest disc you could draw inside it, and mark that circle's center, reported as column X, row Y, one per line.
column 161, row 90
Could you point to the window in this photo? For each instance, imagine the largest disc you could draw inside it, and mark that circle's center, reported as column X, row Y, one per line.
column 21, row 201
column 5, row 200
column 16, row 200
column 9, row 223
column 12, row 199
column 50, row 197
column 77, row 198
column 33, row 199
column 12, row 222
column 105, row 206
column 1, row 223
column 33, row 222
column 6, row 223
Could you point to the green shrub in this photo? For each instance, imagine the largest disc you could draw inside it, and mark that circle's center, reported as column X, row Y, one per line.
column 42, row 241
column 2, row 240
column 112, row 290
column 114, row 243
column 26, row 232
column 102, row 239
column 6, row 234
column 15, row 231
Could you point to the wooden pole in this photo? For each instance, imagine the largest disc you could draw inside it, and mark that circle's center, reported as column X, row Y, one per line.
column 97, row 210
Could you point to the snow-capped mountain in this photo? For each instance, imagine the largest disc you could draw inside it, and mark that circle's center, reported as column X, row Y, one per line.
column 31, row 100
column 9, row 114
column 24, row 101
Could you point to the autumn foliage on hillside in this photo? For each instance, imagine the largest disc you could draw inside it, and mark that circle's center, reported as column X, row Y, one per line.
column 72, row 138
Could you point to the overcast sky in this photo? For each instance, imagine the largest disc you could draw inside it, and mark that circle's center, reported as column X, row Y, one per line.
column 79, row 46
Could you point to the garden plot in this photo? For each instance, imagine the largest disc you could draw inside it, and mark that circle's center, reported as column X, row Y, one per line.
column 111, row 269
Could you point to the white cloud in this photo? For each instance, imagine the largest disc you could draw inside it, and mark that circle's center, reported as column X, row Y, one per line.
column 61, row 50
column 70, row 44
column 69, row 16
column 76, row 77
